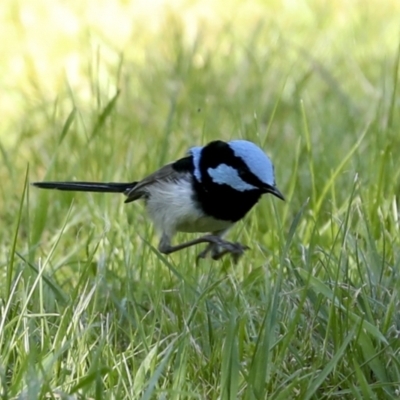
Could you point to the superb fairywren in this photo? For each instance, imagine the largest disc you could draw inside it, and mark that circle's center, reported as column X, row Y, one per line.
column 209, row 190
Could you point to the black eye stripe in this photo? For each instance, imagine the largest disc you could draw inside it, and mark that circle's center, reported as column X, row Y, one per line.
column 248, row 176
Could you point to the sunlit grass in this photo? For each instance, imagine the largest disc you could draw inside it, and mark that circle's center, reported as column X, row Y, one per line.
column 111, row 91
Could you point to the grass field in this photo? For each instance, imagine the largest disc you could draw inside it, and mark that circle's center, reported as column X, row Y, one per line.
column 100, row 90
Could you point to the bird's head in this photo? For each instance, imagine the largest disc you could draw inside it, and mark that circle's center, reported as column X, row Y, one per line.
column 239, row 164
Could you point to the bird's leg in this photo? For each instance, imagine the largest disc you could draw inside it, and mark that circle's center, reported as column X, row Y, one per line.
column 166, row 248
column 215, row 242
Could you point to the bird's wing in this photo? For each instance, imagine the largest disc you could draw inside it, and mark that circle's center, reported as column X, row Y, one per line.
column 141, row 189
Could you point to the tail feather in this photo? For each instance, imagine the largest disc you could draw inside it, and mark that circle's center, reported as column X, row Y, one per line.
column 106, row 187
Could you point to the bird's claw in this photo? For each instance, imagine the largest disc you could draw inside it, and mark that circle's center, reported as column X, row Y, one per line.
column 235, row 249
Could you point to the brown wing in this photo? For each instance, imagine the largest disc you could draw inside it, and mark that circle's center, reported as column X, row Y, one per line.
column 140, row 190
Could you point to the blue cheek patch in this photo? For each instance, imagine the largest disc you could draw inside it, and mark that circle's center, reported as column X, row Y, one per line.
column 226, row 175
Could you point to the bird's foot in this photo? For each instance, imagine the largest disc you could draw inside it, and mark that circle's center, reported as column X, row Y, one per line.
column 219, row 247
column 235, row 249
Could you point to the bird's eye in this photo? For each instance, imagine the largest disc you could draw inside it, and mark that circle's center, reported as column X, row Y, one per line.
column 243, row 173
column 247, row 176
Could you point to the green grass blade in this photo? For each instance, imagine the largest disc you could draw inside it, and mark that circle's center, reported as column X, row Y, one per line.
column 330, row 365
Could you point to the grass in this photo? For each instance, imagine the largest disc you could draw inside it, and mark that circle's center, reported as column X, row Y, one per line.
column 90, row 309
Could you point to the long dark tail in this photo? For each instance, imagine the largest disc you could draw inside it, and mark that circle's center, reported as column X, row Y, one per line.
column 106, row 187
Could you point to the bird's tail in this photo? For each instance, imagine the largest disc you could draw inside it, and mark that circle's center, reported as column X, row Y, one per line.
column 106, row 187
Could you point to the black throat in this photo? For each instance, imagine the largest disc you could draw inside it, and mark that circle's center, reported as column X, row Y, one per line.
column 223, row 202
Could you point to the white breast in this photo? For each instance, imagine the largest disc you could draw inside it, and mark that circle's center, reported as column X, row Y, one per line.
column 171, row 207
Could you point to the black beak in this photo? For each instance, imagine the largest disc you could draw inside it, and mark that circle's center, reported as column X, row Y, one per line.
column 274, row 190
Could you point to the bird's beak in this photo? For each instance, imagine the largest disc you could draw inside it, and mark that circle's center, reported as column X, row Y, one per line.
column 275, row 191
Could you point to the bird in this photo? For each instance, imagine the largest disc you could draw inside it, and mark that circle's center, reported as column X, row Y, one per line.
column 207, row 191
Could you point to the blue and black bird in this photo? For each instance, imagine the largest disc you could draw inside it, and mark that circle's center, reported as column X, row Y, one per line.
column 207, row 191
